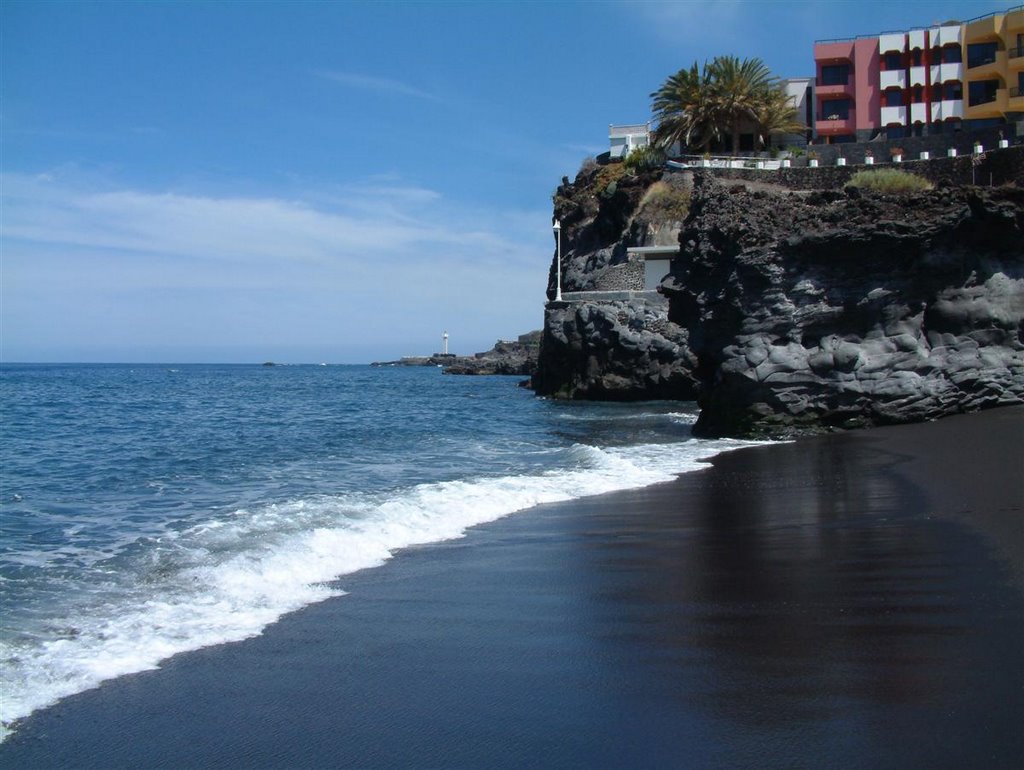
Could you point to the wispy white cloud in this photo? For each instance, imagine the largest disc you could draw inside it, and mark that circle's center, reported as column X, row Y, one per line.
column 85, row 261
column 377, row 84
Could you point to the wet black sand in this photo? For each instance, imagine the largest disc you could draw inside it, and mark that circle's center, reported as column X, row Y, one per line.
column 846, row 601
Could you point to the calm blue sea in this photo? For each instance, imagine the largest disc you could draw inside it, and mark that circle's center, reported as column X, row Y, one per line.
column 148, row 510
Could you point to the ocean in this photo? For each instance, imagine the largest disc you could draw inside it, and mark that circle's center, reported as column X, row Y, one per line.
column 149, row 510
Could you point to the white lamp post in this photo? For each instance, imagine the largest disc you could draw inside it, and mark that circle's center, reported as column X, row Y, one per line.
column 557, row 227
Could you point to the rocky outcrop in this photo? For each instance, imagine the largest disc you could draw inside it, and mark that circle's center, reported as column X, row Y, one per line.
column 506, row 357
column 842, row 309
column 608, row 342
column 518, row 357
column 614, row 351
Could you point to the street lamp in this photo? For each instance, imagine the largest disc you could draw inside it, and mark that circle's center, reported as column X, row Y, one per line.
column 557, row 227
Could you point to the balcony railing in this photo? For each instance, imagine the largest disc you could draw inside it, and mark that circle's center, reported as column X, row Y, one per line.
column 821, row 117
column 980, row 61
column 1015, row 92
column 1013, row 53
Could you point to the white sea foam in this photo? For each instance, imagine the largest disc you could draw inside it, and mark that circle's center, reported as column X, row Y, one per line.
column 228, row 578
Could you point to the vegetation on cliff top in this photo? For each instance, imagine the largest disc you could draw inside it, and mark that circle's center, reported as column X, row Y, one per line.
column 889, row 180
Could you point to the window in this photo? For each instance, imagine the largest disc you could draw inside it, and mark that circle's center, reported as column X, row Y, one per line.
column 835, row 109
column 916, row 57
column 981, row 53
column 982, row 92
column 894, row 132
column 893, row 98
column 918, row 94
column 952, row 55
column 954, row 89
column 835, row 74
column 894, row 61
column 844, row 139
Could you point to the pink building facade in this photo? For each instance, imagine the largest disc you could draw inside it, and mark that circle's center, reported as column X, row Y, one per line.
column 847, row 97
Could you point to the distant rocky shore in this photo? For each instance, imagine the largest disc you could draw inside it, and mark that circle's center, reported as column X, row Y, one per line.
column 515, row 357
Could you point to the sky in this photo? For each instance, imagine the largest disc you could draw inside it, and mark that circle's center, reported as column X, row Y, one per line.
column 337, row 182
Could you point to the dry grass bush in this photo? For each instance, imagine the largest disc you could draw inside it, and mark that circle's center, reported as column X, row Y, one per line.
column 889, row 180
column 664, row 202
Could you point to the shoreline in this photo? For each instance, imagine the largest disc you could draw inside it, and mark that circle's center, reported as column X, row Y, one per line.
column 854, row 598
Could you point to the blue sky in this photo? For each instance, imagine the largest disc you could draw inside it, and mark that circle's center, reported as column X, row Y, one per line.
column 340, row 182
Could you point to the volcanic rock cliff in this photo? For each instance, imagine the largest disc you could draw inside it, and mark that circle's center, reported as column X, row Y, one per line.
column 791, row 311
column 611, row 340
column 850, row 308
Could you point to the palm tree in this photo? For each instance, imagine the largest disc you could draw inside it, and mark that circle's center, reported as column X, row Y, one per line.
column 777, row 115
column 684, row 109
column 698, row 106
column 739, row 88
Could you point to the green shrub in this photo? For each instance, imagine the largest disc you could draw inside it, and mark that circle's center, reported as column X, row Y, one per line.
column 889, row 180
column 608, row 177
column 644, row 159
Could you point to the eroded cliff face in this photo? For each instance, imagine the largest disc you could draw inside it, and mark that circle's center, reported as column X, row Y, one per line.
column 605, row 346
column 833, row 309
column 614, row 351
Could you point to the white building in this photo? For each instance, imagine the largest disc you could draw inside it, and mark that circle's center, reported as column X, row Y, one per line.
column 801, row 93
column 624, row 139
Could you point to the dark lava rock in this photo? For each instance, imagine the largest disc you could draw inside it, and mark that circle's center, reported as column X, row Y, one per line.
column 614, row 351
column 807, row 312
column 517, row 357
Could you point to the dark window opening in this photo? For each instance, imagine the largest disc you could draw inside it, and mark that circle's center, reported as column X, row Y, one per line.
column 916, row 57
column 895, row 132
column 952, row 55
column 835, row 109
column 982, row 92
column 981, row 53
column 835, row 74
column 894, row 61
column 893, row 98
column 952, row 90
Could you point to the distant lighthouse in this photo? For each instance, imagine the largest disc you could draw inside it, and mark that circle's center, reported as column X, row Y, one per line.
column 444, row 338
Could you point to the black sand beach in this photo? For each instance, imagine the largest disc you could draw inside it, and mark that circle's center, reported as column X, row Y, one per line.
column 853, row 600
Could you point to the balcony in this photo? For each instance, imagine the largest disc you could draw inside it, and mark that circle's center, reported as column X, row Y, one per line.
column 941, row 36
column 983, row 29
column 917, row 76
column 993, row 107
column 894, row 115
column 841, row 123
column 949, row 108
column 919, row 113
column 915, row 39
column 942, row 73
column 826, row 92
column 891, row 79
column 894, row 41
column 988, row 64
